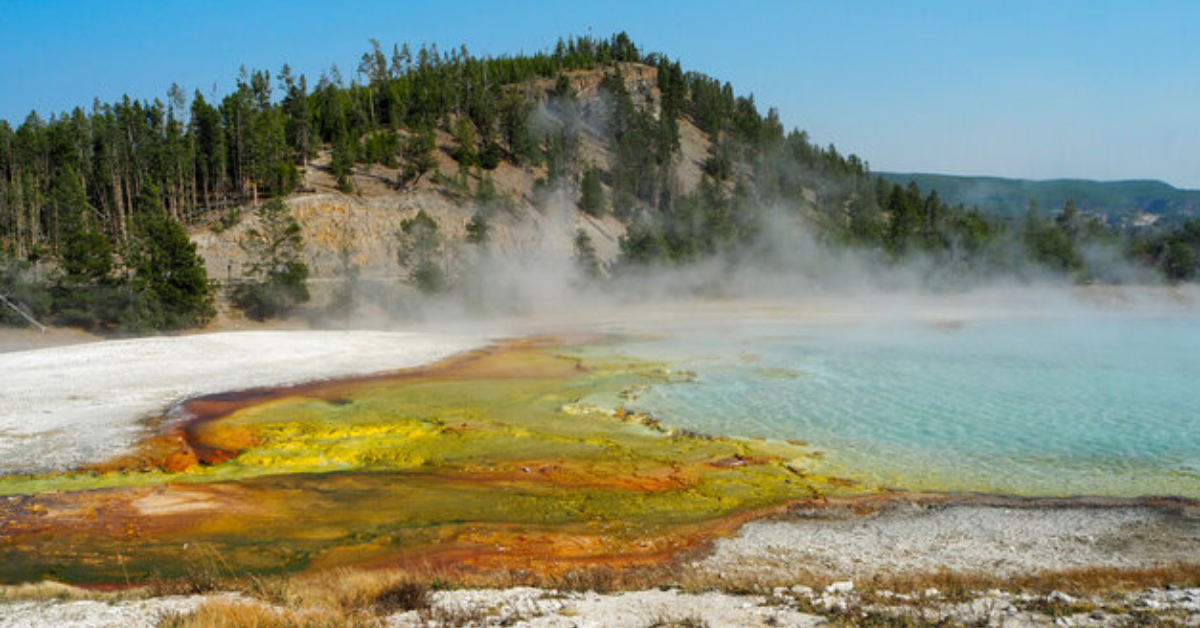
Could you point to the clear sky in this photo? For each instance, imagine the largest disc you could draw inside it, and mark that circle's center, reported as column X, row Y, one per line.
column 1024, row 88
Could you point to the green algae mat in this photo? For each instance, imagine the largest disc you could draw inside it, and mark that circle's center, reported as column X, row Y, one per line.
column 529, row 455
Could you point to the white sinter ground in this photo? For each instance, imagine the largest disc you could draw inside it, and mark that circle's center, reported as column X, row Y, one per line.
column 67, row 406
column 968, row 538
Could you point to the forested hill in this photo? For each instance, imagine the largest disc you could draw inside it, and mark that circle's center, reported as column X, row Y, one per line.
column 93, row 201
column 429, row 161
column 1120, row 202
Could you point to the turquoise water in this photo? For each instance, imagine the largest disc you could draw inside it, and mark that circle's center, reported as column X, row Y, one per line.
column 1100, row 405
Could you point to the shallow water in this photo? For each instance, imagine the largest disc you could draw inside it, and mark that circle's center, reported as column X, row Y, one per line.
column 1102, row 404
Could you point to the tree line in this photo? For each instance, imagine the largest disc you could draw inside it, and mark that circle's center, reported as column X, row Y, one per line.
column 102, row 184
column 94, row 204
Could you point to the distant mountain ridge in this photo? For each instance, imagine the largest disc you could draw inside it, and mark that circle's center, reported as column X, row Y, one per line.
column 1124, row 203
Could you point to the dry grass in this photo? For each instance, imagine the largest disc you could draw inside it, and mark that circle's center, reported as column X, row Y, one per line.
column 858, row 619
column 47, row 591
column 408, row 588
column 379, row 599
column 929, row 614
column 359, row 598
column 219, row 613
column 403, row 596
column 1077, row 582
column 685, row 622
column 1058, row 608
column 346, row 590
column 1086, row 581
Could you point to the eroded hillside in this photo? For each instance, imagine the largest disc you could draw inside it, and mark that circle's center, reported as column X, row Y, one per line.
column 528, row 220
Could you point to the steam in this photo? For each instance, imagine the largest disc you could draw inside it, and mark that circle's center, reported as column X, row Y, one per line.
column 528, row 272
column 527, row 278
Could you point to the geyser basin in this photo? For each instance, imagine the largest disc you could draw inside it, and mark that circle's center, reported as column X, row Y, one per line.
column 496, row 459
column 534, row 456
column 1085, row 403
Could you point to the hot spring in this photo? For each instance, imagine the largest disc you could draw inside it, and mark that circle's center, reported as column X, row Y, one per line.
column 671, row 426
column 1101, row 403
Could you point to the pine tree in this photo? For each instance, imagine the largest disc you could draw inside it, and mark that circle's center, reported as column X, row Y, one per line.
column 1178, row 260
column 418, row 155
column 278, row 272
column 516, row 129
column 465, row 151
column 84, row 293
column 169, row 275
column 486, row 194
column 586, row 259
column 592, row 194
column 342, row 164
column 85, row 253
column 479, row 229
column 421, row 252
column 299, row 116
column 903, row 218
column 211, row 154
column 490, row 155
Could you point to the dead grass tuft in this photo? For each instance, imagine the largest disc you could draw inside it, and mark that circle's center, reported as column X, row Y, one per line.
column 46, row 591
column 606, row 579
column 1078, row 582
column 875, row 619
column 357, row 598
column 684, row 622
column 346, row 590
column 218, row 613
column 403, row 596
column 206, row 571
column 953, row 585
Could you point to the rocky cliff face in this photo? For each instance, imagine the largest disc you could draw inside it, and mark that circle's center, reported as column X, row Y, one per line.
column 367, row 228
column 366, row 222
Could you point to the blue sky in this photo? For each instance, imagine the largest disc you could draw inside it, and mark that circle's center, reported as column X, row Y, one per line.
column 1095, row 89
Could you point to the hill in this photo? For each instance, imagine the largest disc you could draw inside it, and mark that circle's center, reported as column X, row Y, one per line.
column 1120, row 203
column 426, row 169
column 524, row 218
column 440, row 172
